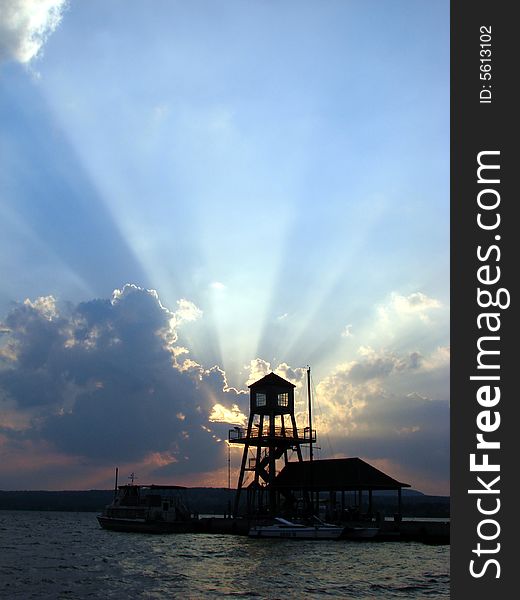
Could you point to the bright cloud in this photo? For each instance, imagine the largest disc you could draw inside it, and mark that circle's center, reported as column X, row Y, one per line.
column 187, row 311
column 45, row 305
column 414, row 305
column 347, row 332
column 233, row 415
column 25, row 25
column 259, row 368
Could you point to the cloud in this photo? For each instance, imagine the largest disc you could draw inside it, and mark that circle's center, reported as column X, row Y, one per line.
column 45, row 305
column 347, row 332
column 377, row 364
column 103, row 381
column 259, row 367
column 186, row 311
column 295, row 375
column 341, row 401
column 440, row 358
column 25, row 26
column 106, row 382
column 377, row 379
column 233, row 416
column 416, row 305
column 409, row 429
column 370, row 407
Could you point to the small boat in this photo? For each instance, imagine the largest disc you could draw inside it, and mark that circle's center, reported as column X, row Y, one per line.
column 148, row 509
column 284, row 529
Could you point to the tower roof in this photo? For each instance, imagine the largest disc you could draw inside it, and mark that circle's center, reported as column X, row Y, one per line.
column 273, row 380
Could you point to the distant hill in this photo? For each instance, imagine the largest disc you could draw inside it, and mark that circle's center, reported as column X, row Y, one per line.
column 206, row 501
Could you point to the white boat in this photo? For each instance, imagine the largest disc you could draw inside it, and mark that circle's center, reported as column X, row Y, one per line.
column 284, row 529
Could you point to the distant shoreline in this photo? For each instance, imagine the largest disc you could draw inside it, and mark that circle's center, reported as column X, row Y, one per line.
column 202, row 500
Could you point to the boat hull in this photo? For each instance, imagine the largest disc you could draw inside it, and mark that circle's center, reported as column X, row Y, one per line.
column 301, row 533
column 144, row 526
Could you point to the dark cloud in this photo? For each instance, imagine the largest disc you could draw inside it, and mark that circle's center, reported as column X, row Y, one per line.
column 108, row 382
column 410, row 430
column 374, row 411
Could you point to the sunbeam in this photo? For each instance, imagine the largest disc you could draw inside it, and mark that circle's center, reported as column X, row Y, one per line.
column 259, row 198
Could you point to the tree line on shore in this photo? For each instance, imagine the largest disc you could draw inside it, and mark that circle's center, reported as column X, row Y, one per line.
column 203, row 501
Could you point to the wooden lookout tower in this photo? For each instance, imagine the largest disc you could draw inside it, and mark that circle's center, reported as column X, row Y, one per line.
column 271, row 433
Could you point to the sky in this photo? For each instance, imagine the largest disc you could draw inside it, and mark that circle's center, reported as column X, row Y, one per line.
column 194, row 194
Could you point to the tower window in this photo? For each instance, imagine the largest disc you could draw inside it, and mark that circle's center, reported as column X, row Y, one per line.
column 261, row 399
column 283, row 399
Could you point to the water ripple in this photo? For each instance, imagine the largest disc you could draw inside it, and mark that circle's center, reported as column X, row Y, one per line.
column 67, row 555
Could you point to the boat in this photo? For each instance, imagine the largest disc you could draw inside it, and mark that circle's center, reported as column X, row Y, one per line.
column 148, row 509
column 284, row 529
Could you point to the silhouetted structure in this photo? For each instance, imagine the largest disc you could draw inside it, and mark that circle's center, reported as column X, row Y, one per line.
column 300, row 487
column 335, row 476
column 270, row 438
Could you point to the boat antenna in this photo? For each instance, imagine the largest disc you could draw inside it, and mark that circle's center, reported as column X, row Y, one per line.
column 311, row 454
column 132, row 477
column 115, row 485
column 229, row 466
column 310, row 412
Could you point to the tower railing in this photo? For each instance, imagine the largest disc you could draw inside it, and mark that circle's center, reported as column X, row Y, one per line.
column 239, row 434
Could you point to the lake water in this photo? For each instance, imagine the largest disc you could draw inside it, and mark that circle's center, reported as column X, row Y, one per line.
column 67, row 555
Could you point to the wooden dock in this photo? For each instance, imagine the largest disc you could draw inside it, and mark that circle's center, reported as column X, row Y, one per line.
column 428, row 532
